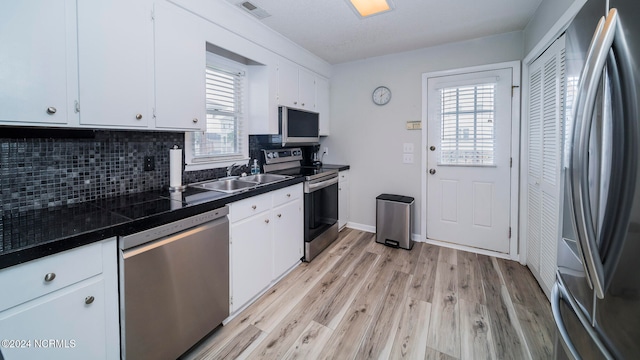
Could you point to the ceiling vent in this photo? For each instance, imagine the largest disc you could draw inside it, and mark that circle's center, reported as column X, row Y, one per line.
column 253, row 10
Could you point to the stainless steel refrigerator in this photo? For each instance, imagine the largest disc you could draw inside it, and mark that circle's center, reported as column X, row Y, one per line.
column 596, row 298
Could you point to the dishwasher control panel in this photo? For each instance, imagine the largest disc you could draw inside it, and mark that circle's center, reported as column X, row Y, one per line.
column 143, row 237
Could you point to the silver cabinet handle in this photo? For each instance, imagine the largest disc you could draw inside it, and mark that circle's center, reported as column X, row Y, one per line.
column 289, row 195
column 139, row 117
column 195, row 120
column 51, row 110
column 579, row 161
column 89, row 299
column 279, row 215
column 49, row 277
column 432, row 171
column 302, row 104
column 295, row 103
column 253, row 207
column 266, row 221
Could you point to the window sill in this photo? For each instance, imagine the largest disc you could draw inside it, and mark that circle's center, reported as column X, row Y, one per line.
column 214, row 165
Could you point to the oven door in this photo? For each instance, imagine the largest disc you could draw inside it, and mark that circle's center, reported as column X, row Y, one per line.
column 320, row 208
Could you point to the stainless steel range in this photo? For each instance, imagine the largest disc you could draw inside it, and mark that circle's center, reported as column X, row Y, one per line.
column 320, row 197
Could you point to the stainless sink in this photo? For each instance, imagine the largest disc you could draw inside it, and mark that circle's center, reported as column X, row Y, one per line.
column 228, row 186
column 265, row 178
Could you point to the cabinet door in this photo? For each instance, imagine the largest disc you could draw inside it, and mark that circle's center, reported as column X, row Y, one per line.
column 180, row 63
column 343, row 199
column 322, row 104
column 307, row 90
column 115, row 59
column 58, row 326
column 288, row 236
column 37, row 61
column 287, row 84
column 251, row 261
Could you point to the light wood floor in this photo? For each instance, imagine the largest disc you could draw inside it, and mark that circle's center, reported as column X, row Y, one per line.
column 361, row 300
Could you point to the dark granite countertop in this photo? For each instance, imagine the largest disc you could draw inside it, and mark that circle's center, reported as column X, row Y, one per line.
column 30, row 235
column 337, row 167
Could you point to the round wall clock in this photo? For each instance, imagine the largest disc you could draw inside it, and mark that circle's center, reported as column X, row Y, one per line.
column 381, row 95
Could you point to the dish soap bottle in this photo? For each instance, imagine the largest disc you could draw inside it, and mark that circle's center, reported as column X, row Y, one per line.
column 255, row 169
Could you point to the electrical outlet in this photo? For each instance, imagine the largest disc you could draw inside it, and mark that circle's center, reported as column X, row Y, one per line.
column 149, row 163
column 325, row 151
column 407, row 147
column 407, row 158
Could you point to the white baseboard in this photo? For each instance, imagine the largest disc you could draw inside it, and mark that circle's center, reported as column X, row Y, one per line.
column 470, row 249
column 372, row 229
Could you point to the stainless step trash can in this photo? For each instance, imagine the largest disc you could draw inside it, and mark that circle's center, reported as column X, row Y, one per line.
column 394, row 220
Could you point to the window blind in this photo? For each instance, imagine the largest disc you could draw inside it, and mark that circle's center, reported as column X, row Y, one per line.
column 467, row 134
column 223, row 137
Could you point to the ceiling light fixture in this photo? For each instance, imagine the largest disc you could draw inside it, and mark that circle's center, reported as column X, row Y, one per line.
column 366, row 8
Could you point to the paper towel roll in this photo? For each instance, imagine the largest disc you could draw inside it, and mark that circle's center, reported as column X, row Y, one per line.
column 175, row 168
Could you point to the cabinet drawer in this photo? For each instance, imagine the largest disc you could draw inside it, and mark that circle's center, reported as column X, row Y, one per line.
column 244, row 208
column 343, row 176
column 287, row 194
column 26, row 281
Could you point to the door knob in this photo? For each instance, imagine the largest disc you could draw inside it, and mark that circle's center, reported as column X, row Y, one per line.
column 432, row 148
column 432, row 171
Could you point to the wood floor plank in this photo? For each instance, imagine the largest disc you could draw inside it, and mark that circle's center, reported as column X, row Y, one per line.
column 448, row 255
column 378, row 339
column 433, row 354
column 310, row 344
column 470, row 278
column 444, row 327
column 538, row 335
column 235, row 347
column 423, row 281
column 520, row 281
column 350, row 256
column 346, row 339
column 412, row 331
column 334, row 308
column 507, row 343
column 475, row 332
column 280, row 339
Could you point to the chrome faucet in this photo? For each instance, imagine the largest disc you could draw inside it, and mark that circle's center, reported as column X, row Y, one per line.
column 232, row 167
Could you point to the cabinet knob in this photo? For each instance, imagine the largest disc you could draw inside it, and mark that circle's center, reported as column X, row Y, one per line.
column 139, row 117
column 302, row 104
column 432, row 148
column 51, row 110
column 195, row 120
column 295, row 103
column 288, row 195
column 49, row 277
column 279, row 215
column 266, row 221
column 89, row 299
column 339, row 189
column 432, row 171
column 253, row 207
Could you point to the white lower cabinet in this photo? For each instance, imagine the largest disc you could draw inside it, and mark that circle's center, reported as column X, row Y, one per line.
column 343, row 198
column 266, row 239
column 66, row 321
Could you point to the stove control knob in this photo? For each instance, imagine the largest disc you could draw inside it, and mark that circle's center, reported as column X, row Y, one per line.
column 269, row 155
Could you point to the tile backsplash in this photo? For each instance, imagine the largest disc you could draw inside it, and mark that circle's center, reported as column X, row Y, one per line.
column 41, row 172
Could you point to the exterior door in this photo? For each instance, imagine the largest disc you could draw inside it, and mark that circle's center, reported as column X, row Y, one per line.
column 469, row 159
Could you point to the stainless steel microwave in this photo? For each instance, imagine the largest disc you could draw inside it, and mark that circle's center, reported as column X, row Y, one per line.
column 298, row 127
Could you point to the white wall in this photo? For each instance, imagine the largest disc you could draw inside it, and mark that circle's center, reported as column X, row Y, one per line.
column 547, row 14
column 370, row 138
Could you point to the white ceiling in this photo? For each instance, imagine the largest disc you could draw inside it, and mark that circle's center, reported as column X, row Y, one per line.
column 331, row 29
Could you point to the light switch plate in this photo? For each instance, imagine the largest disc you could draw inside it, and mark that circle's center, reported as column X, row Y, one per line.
column 407, row 158
column 407, row 148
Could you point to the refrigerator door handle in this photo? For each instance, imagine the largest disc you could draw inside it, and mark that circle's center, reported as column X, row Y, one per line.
column 560, row 293
column 587, row 91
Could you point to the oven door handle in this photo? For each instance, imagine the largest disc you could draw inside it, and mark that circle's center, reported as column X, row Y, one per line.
column 309, row 188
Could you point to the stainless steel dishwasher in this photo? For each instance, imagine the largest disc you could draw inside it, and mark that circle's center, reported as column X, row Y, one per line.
column 174, row 285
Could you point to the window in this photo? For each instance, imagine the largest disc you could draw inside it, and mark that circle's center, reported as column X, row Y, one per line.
column 225, row 139
column 467, row 125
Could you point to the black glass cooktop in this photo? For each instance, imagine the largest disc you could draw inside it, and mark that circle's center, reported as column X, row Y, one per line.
column 309, row 172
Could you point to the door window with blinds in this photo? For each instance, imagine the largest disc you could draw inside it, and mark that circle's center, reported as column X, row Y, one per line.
column 225, row 138
column 467, row 135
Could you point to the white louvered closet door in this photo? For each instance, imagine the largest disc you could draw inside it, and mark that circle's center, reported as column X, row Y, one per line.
column 544, row 161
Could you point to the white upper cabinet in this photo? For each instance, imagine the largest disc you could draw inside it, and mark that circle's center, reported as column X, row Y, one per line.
column 296, row 86
column 323, row 104
column 180, row 62
column 37, row 62
column 306, row 90
column 115, row 59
